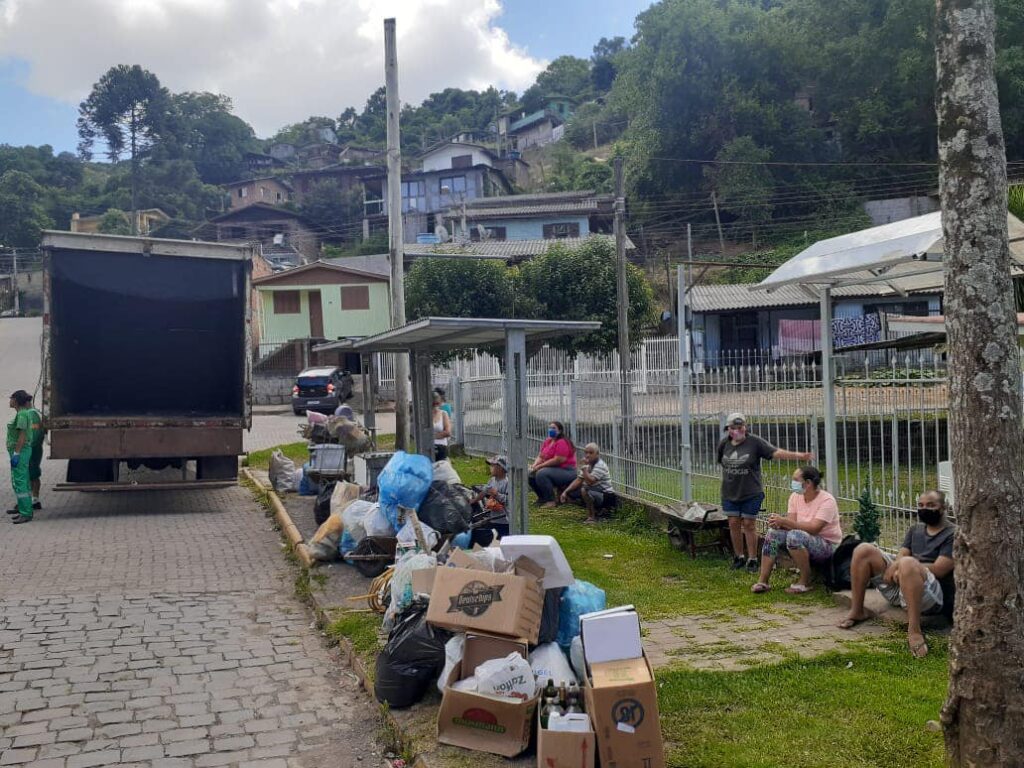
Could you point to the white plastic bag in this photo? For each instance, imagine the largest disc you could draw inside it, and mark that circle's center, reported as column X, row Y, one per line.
column 401, row 582
column 510, row 677
column 407, row 536
column 579, row 662
column 467, row 686
column 453, row 651
column 376, row 523
column 445, row 472
column 353, row 517
column 282, row 473
column 549, row 663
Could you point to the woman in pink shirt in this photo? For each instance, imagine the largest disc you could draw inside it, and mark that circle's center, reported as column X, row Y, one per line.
column 555, row 465
column 810, row 530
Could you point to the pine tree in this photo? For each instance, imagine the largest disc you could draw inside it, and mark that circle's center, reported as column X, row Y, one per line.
column 865, row 524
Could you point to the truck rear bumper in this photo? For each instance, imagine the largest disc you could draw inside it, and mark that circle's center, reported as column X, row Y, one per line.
column 144, row 442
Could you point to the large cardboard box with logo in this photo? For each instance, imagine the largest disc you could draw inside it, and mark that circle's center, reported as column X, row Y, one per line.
column 622, row 700
column 509, row 604
column 495, row 724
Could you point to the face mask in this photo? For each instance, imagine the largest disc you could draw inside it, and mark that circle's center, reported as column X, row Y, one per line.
column 929, row 516
column 552, row 433
column 797, row 486
column 736, row 434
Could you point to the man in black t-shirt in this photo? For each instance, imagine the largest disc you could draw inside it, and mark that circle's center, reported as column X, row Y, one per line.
column 918, row 579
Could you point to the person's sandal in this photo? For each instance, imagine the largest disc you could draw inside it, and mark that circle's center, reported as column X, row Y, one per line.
column 760, row 588
column 797, row 589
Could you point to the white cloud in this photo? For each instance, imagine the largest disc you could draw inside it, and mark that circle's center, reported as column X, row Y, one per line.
column 279, row 60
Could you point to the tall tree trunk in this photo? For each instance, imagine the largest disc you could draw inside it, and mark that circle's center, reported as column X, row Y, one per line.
column 984, row 712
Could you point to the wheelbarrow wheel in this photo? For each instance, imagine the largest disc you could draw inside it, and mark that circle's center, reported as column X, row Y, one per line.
column 371, row 569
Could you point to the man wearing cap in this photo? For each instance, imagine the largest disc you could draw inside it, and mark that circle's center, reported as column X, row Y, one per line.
column 494, row 497
column 740, row 454
column 21, row 432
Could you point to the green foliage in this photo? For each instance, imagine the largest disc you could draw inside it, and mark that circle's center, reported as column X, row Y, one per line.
column 571, row 171
column 128, row 110
column 115, row 222
column 866, row 523
column 565, row 76
column 459, row 288
column 579, row 284
column 378, row 243
column 743, row 184
column 22, row 212
column 334, row 211
column 603, row 68
column 603, row 119
column 211, row 137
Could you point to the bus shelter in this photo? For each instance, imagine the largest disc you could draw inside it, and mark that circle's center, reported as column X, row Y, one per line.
column 429, row 336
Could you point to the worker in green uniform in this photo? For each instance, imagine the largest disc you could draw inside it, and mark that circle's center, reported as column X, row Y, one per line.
column 19, row 448
column 35, row 464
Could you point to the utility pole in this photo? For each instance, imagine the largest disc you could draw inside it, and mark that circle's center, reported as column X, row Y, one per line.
column 718, row 221
column 14, row 270
column 396, row 247
column 622, row 298
column 595, row 133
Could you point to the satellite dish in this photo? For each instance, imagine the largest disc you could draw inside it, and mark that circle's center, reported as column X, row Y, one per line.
column 484, row 232
column 442, row 233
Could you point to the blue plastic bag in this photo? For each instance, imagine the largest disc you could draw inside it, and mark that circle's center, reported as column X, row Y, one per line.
column 347, row 543
column 463, row 540
column 307, row 486
column 578, row 599
column 404, row 482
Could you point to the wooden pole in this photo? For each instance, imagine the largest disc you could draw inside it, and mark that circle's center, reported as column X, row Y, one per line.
column 622, row 298
column 718, row 221
column 396, row 247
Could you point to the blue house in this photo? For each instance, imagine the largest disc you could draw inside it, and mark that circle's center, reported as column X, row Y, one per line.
column 544, row 216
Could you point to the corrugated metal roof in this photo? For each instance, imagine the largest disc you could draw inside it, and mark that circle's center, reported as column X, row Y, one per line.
column 509, row 249
column 375, row 264
column 717, row 298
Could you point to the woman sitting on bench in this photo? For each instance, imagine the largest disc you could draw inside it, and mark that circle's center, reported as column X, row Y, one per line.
column 810, row 531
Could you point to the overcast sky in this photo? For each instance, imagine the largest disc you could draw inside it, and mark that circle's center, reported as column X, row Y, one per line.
column 279, row 60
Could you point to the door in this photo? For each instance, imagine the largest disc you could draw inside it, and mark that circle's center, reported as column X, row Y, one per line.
column 316, row 316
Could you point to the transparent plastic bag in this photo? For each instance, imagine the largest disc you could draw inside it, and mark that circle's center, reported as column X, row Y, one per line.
column 282, row 473
column 453, row 651
column 548, row 662
column 402, row 595
column 353, row 517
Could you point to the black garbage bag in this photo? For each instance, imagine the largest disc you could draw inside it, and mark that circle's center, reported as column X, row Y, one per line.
column 446, row 507
column 550, row 615
column 411, row 660
column 322, row 506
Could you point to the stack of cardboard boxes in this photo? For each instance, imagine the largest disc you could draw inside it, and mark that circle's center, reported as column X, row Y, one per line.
column 500, row 614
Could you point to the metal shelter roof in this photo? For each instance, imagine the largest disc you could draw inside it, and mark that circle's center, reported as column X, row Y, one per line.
column 902, row 256
column 442, row 334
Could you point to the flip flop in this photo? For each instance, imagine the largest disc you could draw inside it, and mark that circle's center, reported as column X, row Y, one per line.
column 760, row 588
column 797, row 589
column 849, row 623
column 914, row 649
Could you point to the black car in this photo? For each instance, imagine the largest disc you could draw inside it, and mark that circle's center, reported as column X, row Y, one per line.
column 321, row 389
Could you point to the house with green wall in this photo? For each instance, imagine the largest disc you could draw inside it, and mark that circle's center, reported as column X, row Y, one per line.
column 323, row 301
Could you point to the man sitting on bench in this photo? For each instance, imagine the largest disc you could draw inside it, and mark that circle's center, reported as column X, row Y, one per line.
column 593, row 484
column 913, row 579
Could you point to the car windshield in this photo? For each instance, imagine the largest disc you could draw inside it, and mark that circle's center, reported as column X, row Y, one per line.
column 314, row 381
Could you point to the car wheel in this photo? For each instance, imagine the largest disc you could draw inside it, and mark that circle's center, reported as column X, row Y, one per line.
column 298, row 412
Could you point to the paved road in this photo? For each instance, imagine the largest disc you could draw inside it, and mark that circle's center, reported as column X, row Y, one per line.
column 160, row 629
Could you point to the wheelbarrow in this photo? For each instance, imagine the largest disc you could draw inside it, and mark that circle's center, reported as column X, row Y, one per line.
column 373, row 555
column 683, row 531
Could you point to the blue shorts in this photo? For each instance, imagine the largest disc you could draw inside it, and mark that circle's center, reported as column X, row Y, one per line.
column 746, row 508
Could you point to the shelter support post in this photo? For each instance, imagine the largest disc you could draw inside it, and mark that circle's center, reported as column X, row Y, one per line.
column 422, row 404
column 829, row 394
column 515, row 429
column 368, row 381
column 684, row 388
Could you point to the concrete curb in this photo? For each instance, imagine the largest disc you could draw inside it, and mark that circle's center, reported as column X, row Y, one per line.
column 355, row 663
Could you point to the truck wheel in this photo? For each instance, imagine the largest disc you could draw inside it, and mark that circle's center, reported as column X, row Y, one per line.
column 92, row 470
column 217, row 468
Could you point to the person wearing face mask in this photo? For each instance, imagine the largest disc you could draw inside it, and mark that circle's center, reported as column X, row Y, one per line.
column 918, row 579
column 740, row 454
column 810, row 531
column 555, row 465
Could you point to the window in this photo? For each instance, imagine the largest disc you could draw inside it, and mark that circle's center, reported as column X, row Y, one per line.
column 462, row 161
column 560, row 230
column 279, row 197
column 456, row 185
column 263, row 193
column 414, row 196
column 243, row 192
column 287, row 303
column 355, row 297
column 495, row 233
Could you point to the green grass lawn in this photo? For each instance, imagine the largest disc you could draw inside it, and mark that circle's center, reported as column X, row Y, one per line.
column 866, row 706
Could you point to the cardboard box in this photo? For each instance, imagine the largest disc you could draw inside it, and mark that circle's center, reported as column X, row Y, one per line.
column 622, row 701
column 423, row 581
column 502, row 726
column 508, row 604
column 545, row 552
column 611, row 635
column 564, row 750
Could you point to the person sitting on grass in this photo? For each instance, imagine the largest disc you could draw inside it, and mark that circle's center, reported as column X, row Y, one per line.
column 555, row 465
column 593, row 485
column 810, row 531
column 494, row 497
column 914, row 578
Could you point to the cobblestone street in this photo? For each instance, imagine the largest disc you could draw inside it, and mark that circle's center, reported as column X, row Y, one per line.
column 161, row 629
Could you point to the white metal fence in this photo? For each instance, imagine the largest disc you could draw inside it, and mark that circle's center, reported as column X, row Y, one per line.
column 890, row 422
